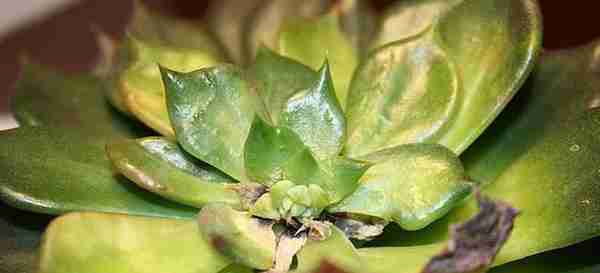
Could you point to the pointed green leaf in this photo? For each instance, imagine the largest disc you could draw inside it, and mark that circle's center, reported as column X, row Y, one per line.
column 412, row 185
column 279, row 78
column 211, row 111
column 336, row 249
column 94, row 242
column 62, row 170
column 541, row 157
column 140, row 82
column 340, row 177
column 276, row 153
column 152, row 39
column 47, row 98
column 447, row 77
column 265, row 23
column 247, row 240
column 312, row 41
column 162, row 167
column 273, row 154
column 316, row 117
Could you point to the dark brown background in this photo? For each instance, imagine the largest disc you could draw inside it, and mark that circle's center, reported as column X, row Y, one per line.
column 65, row 40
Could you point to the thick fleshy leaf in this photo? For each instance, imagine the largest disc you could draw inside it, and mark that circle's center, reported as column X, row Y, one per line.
column 265, row 23
column 140, row 82
column 273, row 154
column 317, row 118
column 61, row 170
column 412, row 185
column 279, row 78
column 162, row 167
column 48, row 98
column 478, row 53
column 336, row 249
column 228, row 20
column 134, row 78
column 95, row 242
column 541, row 157
column 211, row 110
column 546, row 145
column 20, row 234
column 247, row 240
column 312, row 41
column 406, row 92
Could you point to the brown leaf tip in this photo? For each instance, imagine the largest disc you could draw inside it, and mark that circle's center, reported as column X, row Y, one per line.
column 475, row 243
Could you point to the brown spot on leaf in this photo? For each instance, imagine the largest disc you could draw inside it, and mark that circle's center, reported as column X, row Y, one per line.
column 475, row 243
column 327, row 267
column 249, row 193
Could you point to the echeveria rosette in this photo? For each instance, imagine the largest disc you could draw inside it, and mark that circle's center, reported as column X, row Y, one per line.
column 277, row 139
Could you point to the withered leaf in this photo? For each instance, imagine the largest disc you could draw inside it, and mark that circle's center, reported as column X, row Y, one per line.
column 475, row 243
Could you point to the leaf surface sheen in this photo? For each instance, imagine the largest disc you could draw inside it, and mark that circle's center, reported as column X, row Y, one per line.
column 211, row 110
column 473, row 56
column 162, row 167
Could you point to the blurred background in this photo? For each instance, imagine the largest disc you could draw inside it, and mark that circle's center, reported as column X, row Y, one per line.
column 58, row 32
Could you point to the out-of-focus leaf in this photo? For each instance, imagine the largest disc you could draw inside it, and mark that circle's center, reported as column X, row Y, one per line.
column 478, row 53
column 278, row 78
column 20, row 234
column 95, row 242
column 580, row 258
column 162, row 167
column 228, row 20
column 266, row 21
column 317, row 118
column 412, row 185
column 154, row 27
column 48, row 98
column 359, row 22
column 311, row 41
column 211, row 111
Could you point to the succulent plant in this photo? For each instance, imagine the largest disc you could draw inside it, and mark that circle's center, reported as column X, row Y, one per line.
column 298, row 132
